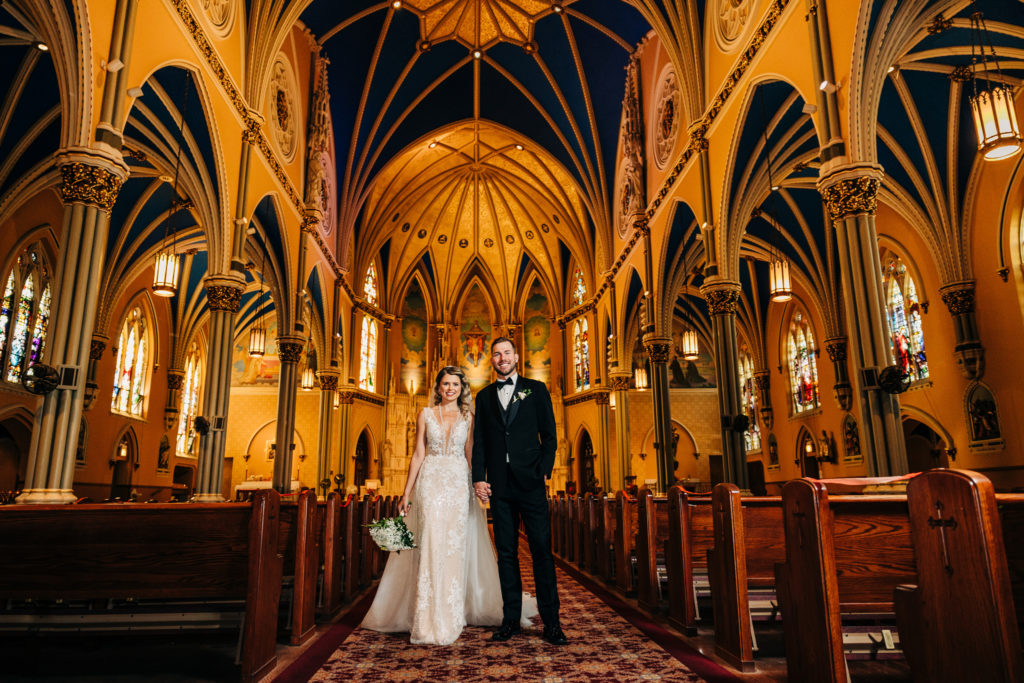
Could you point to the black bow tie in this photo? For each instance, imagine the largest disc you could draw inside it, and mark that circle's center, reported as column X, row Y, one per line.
column 506, row 382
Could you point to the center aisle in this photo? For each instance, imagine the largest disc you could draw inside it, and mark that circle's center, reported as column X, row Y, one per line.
column 603, row 645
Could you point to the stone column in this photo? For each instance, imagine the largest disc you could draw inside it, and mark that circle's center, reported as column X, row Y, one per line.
column 328, row 389
column 658, row 351
column 289, row 350
column 343, row 458
column 96, row 349
column 969, row 353
column 763, row 384
column 850, row 195
column 175, row 380
column 603, row 419
column 88, row 187
column 224, row 296
column 622, row 466
column 723, row 298
column 843, row 392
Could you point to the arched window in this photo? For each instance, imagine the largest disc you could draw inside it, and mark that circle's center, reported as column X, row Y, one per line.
column 130, row 385
column 370, row 284
column 751, row 437
column 579, row 288
column 189, row 403
column 368, row 354
column 803, row 365
column 24, row 314
column 581, row 354
column 904, row 311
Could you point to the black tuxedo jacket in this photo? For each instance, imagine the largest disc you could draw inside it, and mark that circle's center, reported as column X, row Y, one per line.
column 525, row 431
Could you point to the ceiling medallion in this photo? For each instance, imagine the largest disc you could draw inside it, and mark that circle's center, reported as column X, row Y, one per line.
column 545, row 227
column 422, row 233
column 731, row 17
column 488, row 242
column 529, row 234
column 442, row 239
column 480, row 24
column 221, row 14
column 405, row 227
column 281, row 109
column 510, row 239
column 463, row 243
column 666, row 117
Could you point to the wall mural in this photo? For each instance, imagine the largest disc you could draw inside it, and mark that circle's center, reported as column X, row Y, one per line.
column 414, row 340
column 536, row 335
column 247, row 371
column 475, row 338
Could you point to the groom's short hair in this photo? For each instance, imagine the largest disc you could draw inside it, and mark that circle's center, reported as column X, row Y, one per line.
column 504, row 339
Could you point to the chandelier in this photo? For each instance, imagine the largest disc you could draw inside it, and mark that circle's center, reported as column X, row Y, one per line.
column 165, row 269
column 691, row 351
column 258, row 331
column 995, row 120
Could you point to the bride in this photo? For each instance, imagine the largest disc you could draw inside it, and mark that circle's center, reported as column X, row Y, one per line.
column 451, row 578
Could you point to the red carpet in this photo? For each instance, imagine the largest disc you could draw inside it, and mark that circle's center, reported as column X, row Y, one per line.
column 609, row 641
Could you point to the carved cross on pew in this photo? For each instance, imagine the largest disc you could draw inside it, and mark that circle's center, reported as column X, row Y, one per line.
column 799, row 529
column 942, row 524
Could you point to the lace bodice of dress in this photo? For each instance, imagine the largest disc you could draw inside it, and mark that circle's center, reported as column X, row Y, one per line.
column 451, row 444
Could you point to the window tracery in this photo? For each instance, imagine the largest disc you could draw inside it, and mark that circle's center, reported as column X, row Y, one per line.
column 130, row 384
column 803, row 366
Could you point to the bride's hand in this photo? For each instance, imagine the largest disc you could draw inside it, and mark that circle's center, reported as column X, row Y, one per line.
column 404, row 505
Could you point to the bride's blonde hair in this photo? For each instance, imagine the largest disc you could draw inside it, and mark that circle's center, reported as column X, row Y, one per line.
column 465, row 399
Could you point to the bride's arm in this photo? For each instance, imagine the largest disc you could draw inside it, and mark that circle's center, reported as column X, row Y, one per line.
column 414, row 466
column 469, row 441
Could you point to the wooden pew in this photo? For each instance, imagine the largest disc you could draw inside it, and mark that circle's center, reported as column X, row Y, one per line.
column 748, row 543
column 625, row 535
column 333, row 558
column 567, row 528
column 591, row 541
column 224, row 553
column 958, row 623
column 351, row 545
column 651, row 539
column 554, row 522
column 844, row 555
column 298, row 544
column 580, row 532
column 690, row 536
column 606, row 519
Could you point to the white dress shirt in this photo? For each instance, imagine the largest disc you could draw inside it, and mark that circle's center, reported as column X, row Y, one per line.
column 505, row 392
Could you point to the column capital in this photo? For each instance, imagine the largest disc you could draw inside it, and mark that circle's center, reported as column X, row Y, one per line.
column 722, row 296
column 836, row 349
column 289, row 348
column 658, row 348
column 88, row 177
column 311, row 219
column 602, row 397
column 97, row 346
column 175, row 378
column 958, row 297
column 328, row 380
column 619, row 381
column 346, row 397
column 224, row 292
column 851, row 189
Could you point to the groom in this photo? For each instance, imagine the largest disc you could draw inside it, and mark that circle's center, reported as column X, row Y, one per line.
column 513, row 453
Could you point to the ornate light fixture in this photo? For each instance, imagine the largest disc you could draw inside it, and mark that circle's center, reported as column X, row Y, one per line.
column 995, row 120
column 308, row 376
column 780, row 287
column 691, row 350
column 640, row 378
column 258, row 331
column 165, row 270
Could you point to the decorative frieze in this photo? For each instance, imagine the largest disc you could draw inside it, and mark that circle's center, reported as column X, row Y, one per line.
column 82, row 183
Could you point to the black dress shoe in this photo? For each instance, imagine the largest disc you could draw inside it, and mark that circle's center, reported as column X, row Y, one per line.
column 506, row 631
column 554, row 635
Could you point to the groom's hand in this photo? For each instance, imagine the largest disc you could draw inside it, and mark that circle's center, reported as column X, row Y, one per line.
column 482, row 490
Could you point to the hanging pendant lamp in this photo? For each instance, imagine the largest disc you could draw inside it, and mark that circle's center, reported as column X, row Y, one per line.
column 995, row 120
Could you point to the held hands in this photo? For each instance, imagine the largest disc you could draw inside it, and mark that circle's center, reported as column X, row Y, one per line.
column 404, row 505
column 482, row 490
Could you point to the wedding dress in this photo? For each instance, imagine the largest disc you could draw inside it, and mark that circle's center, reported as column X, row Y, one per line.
column 451, row 578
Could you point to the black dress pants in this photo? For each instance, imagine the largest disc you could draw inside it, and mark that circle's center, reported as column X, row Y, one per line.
column 530, row 506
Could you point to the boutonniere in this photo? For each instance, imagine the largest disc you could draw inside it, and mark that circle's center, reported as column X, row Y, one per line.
column 523, row 394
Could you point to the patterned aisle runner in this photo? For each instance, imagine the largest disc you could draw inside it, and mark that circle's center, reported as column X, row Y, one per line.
column 603, row 646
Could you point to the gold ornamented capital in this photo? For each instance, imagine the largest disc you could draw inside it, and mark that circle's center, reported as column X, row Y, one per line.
column 224, row 298
column 836, row 349
column 958, row 297
column 762, row 381
column 851, row 196
column 346, row 397
column 619, row 382
column 96, row 349
column 328, row 382
column 82, row 183
column 175, row 379
column 723, row 297
column 602, row 398
column 290, row 351
column 658, row 349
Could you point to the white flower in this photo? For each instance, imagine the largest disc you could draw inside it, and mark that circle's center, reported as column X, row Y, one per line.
column 523, row 394
column 391, row 534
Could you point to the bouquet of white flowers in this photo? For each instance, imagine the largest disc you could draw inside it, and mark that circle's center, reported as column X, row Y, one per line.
column 391, row 534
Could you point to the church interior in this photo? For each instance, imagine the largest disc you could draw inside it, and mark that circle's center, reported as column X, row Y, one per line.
column 741, row 241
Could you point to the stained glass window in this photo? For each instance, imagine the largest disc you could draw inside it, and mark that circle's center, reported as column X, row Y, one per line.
column 189, row 403
column 368, row 354
column 581, row 354
column 803, row 365
column 130, row 384
column 579, row 288
column 24, row 314
column 751, row 437
column 904, row 310
column 370, row 284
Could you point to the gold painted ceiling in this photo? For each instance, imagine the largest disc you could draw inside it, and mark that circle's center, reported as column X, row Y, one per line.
column 479, row 24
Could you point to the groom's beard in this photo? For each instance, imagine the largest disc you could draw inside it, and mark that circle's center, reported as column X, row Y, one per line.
column 504, row 375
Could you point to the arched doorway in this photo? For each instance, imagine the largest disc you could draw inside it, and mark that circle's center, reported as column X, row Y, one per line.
column 361, row 466
column 123, row 465
column 587, row 481
column 807, row 454
column 15, row 439
column 925, row 447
